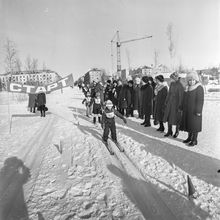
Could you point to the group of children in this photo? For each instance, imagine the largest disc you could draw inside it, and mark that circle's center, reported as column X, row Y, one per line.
column 105, row 112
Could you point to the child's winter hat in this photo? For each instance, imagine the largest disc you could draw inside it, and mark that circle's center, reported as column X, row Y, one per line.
column 130, row 82
column 108, row 103
column 192, row 75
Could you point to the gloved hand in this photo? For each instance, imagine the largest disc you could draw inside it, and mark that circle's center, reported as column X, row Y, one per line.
column 198, row 114
column 125, row 121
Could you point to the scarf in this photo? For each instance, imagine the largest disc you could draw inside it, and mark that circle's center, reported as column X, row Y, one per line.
column 159, row 87
column 191, row 88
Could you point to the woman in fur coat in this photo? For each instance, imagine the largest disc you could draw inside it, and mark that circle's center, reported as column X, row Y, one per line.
column 192, row 108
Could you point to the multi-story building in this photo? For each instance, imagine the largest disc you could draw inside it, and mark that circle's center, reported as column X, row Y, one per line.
column 40, row 77
column 93, row 75
column 146, row 71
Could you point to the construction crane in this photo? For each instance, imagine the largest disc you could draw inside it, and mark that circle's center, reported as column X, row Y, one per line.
column 118, row 45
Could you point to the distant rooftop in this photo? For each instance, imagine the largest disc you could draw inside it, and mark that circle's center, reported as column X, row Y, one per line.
column 28, row 72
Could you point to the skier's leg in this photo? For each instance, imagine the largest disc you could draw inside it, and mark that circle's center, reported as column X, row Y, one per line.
column 105, row 132
column 113, row 132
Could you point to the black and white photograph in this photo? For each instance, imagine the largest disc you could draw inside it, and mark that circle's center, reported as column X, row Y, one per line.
column 109, row 109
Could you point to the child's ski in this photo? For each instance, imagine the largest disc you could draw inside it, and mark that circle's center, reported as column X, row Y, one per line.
column 108, row 147
column 119, row 146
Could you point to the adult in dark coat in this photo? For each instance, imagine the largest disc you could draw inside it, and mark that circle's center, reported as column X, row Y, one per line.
column 124, row 99
column 160, row 92
column 41, row 102
column 114, row 93
column 173, row 103
column 99, row 89
column 147, row 101
column 32, row 102
column 192, row 108
column 108, row 91
column 118, row 90
column 129, row 110
column 137, row 96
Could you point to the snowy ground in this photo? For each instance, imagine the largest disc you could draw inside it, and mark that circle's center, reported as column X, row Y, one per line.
column 58, row 168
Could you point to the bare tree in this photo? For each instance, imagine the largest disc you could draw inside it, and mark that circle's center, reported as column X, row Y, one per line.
column 44, row 66
column 171, row 46
column 34, row 64
column 10, row 55
column 18, row 64
column 31, row 64
column 28, row 63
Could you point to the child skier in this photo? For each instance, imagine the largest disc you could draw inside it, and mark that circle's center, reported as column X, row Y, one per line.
column 87, row 100
column 97, row 108
column 108, row 121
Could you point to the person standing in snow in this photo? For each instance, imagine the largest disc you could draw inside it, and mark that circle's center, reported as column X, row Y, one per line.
column 129, row 110
column 137, row 97
column 192, row 108
column 174, row 99
column 32, row 102
column 108, row 121
column 118, row 90
column 114, row 93
column 147, row 100
column 87, row 100
column 161, row 91
column 97, row 107
column 108, row 90
column 41, row 102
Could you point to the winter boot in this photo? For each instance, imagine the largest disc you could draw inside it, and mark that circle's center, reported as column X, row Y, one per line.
column 194, row 139
column 161, row 128
column 169, row 132
column 177, row 132
column 189, row 139
column 94, row 120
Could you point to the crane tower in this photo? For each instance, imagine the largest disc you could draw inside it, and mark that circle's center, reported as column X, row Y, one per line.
column 118, row 46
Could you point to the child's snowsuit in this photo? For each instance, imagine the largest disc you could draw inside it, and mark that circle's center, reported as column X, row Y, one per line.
column 108, row 123
column 87, row 100
column 97, row 109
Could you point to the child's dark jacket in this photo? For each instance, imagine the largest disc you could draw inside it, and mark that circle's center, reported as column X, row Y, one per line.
column 108, row 115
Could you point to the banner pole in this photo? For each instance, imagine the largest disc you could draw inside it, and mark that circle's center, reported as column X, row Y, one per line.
column 9, row 114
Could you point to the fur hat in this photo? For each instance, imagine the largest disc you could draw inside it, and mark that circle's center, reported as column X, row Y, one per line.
column 108, row 103
column 192, row 75
column 145, row 79
column 160, row 78
column 174, row 75
column 131, row 82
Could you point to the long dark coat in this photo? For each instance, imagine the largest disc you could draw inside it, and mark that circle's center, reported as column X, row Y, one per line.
column 124, row 99
column 173, row 103
column 32, row 100
column 137, row 98
column 114, row 96
column 160, row 99
column 147, row 99
column 41, row 99
column 192, row 103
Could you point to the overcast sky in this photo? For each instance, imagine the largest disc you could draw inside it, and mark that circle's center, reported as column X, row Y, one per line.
column 71, row 36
